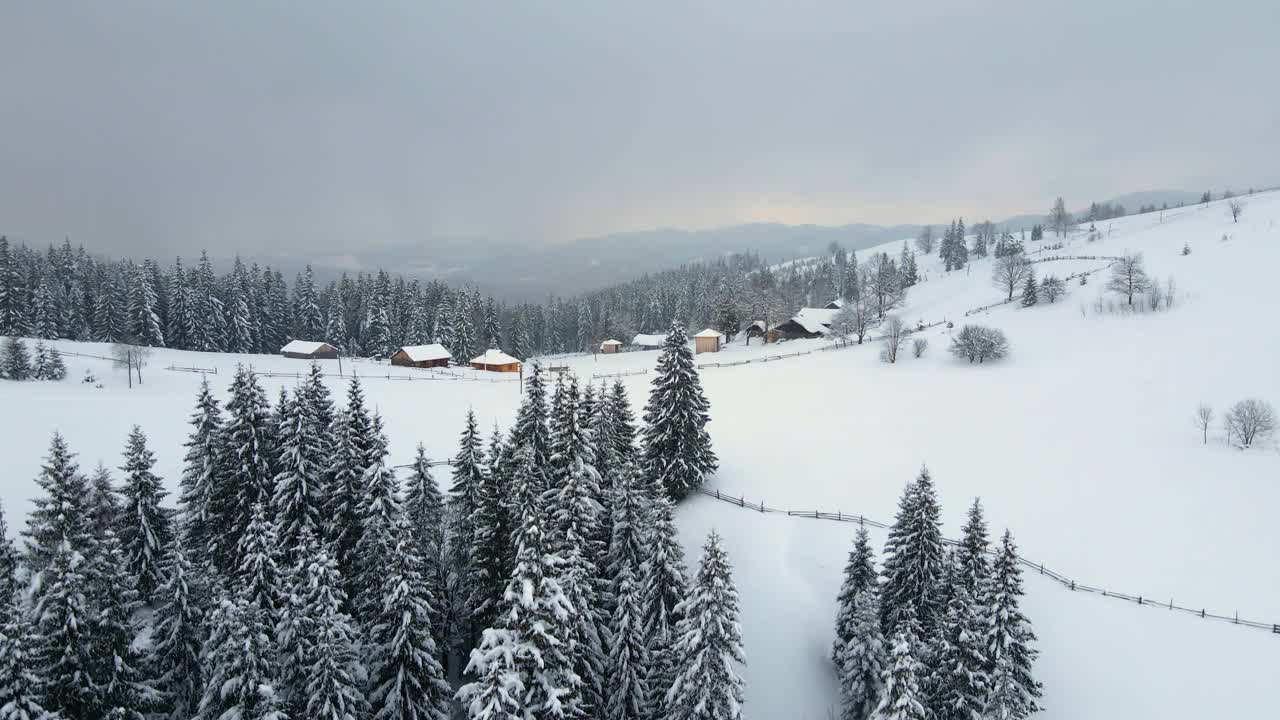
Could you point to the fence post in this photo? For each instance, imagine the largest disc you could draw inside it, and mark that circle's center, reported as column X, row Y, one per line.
column 815, row 514
column 1073, row 586
column 1139, row 599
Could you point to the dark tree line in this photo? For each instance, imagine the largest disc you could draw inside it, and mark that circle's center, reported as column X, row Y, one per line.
column 937, row 632
column 297, row 577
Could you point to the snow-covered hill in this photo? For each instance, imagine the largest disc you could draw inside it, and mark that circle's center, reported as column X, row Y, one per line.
column 1081, row 443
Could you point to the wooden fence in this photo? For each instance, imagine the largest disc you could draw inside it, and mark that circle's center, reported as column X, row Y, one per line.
column 1063, row 580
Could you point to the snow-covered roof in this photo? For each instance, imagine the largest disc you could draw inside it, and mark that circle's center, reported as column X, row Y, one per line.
column 493, row 356
column 304, row 347
column 649, row 340
column 425, row 353
column 815, row 320
column 758, row 325
column 834, row 304
column 709, row 333
column 610, row 342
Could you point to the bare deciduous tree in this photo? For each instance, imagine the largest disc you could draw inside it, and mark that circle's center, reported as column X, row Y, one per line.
column 895, row 336
column 1059, row 218
column 1250, row 421
column 1204, row 417
column 1236, row 207
column 924, row 243
column 1129, row 277
column 1010, row 273
column 132, row 357
column 918, row 346
column 852, row 321
column 977, row 342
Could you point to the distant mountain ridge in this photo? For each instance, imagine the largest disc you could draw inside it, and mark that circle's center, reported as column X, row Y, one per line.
column 517, row 273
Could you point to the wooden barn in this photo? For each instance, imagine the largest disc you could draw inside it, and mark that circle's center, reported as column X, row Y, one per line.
column 610, row 346
column 649, row 342
column 707, row 341
column 308, row 350
column 759, row 329
column 808, row 323
column 423, row 356
column 495, row 360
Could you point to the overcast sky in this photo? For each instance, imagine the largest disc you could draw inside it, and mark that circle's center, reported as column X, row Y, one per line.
column 294, row 126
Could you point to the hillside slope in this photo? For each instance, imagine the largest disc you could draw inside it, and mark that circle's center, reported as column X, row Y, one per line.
column 1081, row 443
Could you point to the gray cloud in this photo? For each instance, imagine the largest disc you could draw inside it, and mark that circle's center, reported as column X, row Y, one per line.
column 261, row 127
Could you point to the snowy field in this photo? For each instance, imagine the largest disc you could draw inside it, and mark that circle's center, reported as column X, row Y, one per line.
column 1081, row 443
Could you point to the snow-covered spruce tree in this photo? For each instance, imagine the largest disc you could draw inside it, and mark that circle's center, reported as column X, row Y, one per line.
column 335, row 677
column 15, row 361
column 863, row 657
column 491, row 550
column 380, row 513
column 118, row 666
column 627, row 691
column 62, row 513
column 353, row 443
column 299, row 498
column 1014, row 690
column 708, row 644
column 538, row 614
column 10, row 584
column 973, row 567
column 40, row 362
column 960, row 686
column 314, row 396
column 677, row 448
column 61, row 654
column 249, row 446
column 146, row 531
column 859, row 575
column 259, row 574
column 239, row 665
column 574, row 536
column 201, row 472
column 406, row 679
column 178, row 637
column 56, row 369
column 1030, row 291
column 499, row 692
column 623, row 422
column 105, row 510
column 664, row 586
column 531, row 428
column 913, row 566
column 468, row 477
column 900, row 697
column 424, row 514
column 20, row 686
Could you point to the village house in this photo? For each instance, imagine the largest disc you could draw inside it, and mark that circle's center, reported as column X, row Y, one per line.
column 423, row 356
column 807, row 323
column 610, row 346
column 308, row 350
column 495, row 360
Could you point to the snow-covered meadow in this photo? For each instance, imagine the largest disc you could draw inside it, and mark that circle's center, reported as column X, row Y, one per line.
column 1081, row 442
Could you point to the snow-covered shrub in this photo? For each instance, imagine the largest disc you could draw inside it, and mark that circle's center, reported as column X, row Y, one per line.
column 895, row 336
column 978, row 342
column 918, row 346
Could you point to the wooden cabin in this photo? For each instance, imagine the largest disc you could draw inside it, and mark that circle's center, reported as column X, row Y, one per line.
column 308, row 350
column 808, row 323
column 495, row 360
column 707, row 341
column 423, row 356
column 610, row 346
column 648, row 342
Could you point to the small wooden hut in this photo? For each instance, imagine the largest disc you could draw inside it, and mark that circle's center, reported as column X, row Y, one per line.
column 308, row 350
column 707, row 341
column 495, row 360
column 423, row 356
column 610, row 346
